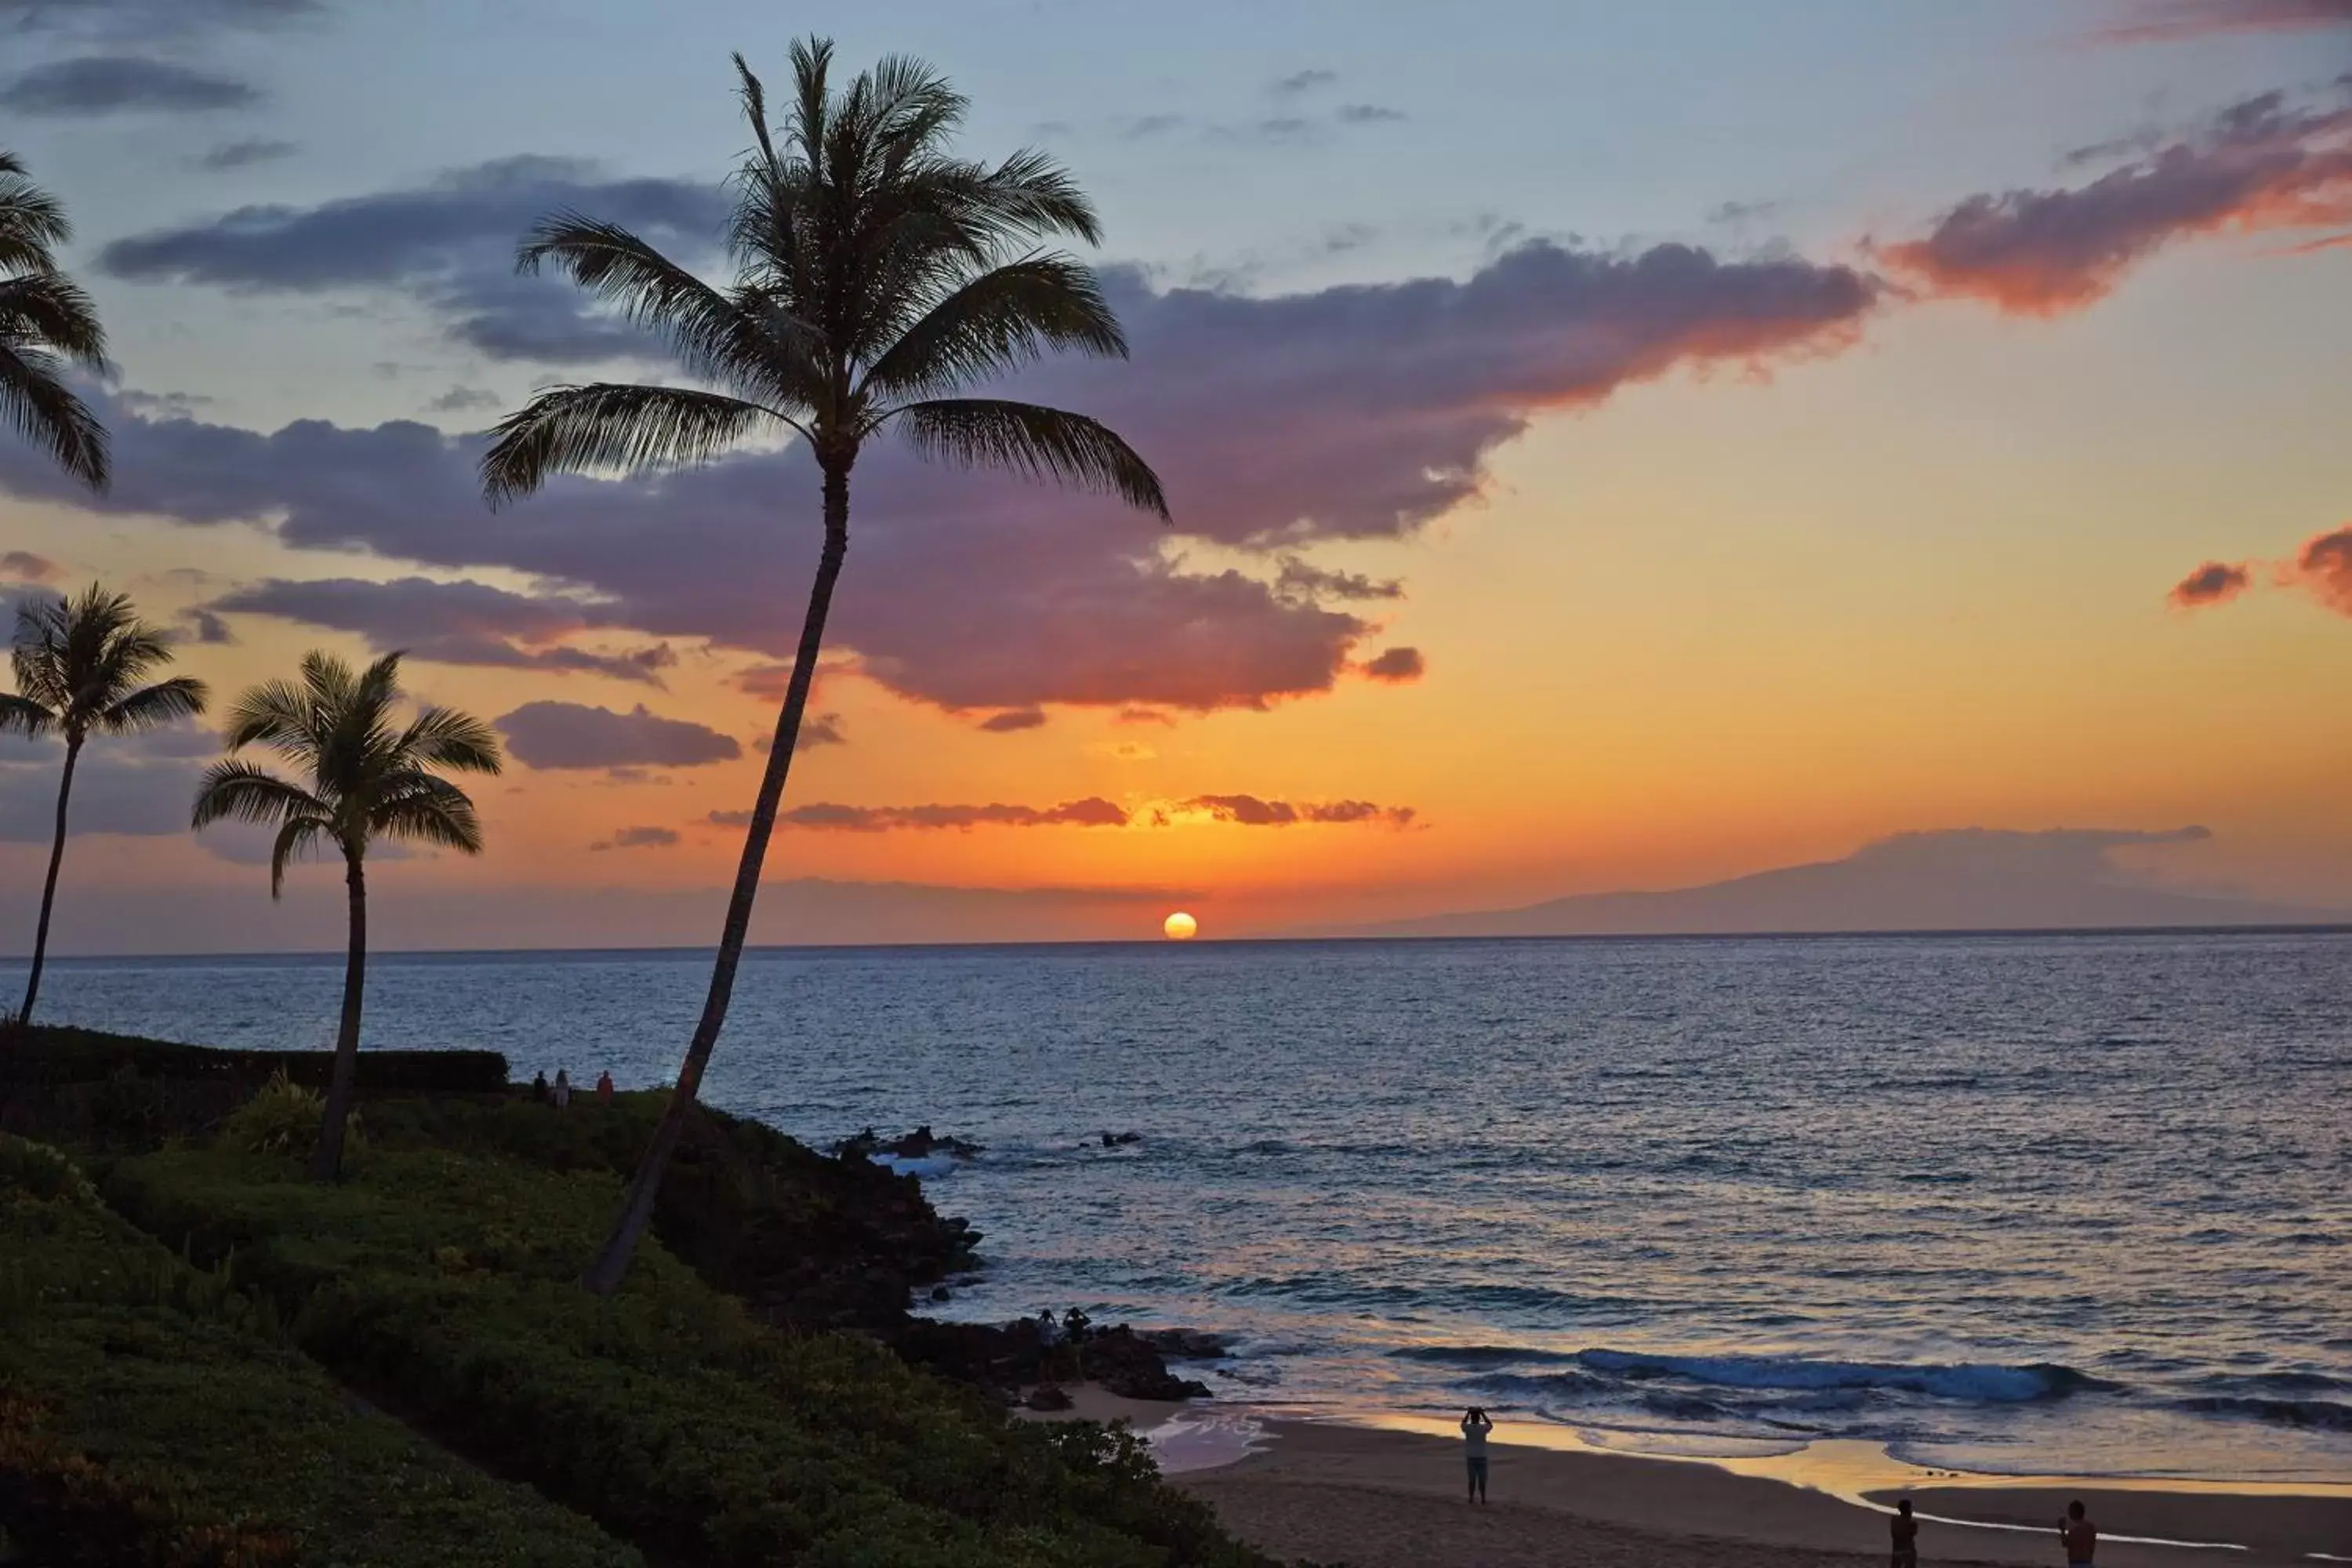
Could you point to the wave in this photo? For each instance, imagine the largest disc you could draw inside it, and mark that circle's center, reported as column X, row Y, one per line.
column 2311, row 1415
column 1975, row 1383
column 1477, row 1356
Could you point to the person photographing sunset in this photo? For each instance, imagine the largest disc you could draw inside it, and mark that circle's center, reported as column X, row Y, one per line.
column 2079, row 1535
column 1905, row 1529
column 1475, row 1427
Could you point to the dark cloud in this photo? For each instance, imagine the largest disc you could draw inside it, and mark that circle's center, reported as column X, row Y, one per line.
column 139, row 785
column 463, row 400
column 2323, row 567
column 816, row 730
column 1395, row 667
column 244, row 154
column 2167, row 21
column 27, row 567
column 639, row 839
column 1275, row 421
column 1249, row 811
column 1305, row 81
column 112, row 84
column 208, row 627
column 1091, row 812
column 453, row 623
column 2262, row 166
column 1302, row 580
column 1144, row 716
column 1145, row 126
column 1012, row 719
column 450, row 243
column 147, row 20
column 162, row 405
column 2215, row 582
column 1368, row 114
column 555, row 735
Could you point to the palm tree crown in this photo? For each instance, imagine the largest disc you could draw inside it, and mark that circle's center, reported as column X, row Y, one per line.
column 368, row 776
column 79, row 665
column 47, row 324
column 875, row 275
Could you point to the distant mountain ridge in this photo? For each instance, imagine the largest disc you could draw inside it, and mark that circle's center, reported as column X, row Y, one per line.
column 1969, row 879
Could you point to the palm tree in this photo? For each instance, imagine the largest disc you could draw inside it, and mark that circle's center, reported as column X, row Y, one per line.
column 876, row 277
column 79, row 664
column 45, row 324
column 368, row 778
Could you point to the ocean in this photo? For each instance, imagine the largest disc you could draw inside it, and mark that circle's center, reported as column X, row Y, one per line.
column 2019, row 1204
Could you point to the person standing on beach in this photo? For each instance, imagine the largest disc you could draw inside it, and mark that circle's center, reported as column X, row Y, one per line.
column 605, row 1088
column 1475, row 1427
column 2079, row 1534
column 1905, row 1531
column 562, row 1088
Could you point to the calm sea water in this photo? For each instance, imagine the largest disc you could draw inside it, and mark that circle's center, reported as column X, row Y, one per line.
column 2036, row 1204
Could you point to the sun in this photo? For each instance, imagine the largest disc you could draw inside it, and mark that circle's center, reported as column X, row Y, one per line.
column 1180, row 927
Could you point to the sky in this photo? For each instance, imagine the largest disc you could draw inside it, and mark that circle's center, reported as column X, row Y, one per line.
column 1609, row 447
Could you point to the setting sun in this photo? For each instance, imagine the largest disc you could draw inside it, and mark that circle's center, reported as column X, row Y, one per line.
column 1180, row 927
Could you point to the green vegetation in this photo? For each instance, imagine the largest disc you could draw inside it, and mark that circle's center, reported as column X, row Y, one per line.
column 79, row 664
column 368, row 777
column 878, row 276
column 204, row 1362
column 442, row 1284
column 151, row 1414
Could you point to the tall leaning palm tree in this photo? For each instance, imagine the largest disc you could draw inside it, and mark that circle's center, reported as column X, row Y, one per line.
column 81, row 666
column 47, row 324
column 368, row 777
column 877, row 277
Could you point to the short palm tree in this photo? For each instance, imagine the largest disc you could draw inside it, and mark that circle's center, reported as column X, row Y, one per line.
column 80, row 665
column 368, row 777
column 877, row 277
column 47, row 324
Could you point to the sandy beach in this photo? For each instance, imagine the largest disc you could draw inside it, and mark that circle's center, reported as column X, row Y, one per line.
column 1372, row 1498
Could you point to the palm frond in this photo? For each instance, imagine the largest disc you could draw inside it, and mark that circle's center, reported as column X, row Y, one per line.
column 1007, row 317
column 445, row 738
column 277, row 714
column 35, row 403
column 298, row 837
column 606, row 426
column 1035, row 442
column 651, row 290
column 429, row 810
column 231, row 791
column 32, row 222
column 152, row 707
column 23, row 716
column 49, row 309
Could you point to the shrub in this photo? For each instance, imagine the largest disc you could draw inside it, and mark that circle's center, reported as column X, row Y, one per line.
column 151, row 1414
column 444, row 1284
column 49, row 1055
column 284, row 1118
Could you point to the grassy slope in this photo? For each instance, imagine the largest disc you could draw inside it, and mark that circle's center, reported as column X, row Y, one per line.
column 442, row 1281
column 147, row 1412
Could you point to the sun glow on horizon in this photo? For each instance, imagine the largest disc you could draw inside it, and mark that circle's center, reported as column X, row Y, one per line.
column 1180, row 927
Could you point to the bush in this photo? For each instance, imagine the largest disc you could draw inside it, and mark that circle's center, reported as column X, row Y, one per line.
column 285, row 1117
column 152, row 1414
column 443, row 1283
column 47, row 1054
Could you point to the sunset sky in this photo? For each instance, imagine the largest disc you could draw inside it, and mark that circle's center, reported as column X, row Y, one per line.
column 1610, row 447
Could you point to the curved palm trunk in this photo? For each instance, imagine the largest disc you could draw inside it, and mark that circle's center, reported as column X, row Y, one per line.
column 327, row 1160
column 49, row 888
column 603, row 1276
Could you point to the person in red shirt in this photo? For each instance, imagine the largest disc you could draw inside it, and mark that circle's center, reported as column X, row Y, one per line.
column 604, row 1089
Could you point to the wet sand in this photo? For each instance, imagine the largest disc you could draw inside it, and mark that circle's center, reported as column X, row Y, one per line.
column 1393, row 1499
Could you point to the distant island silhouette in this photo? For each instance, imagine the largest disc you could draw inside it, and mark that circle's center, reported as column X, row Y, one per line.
column 1969, row 878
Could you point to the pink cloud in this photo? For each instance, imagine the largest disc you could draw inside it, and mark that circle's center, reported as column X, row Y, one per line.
column 2323, row 568
column 2260, row 166
column 2215, row 582
column 1395, row 667
column 2170, row 21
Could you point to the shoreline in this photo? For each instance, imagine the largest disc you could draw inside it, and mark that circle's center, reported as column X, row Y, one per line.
column 1386, row 1493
